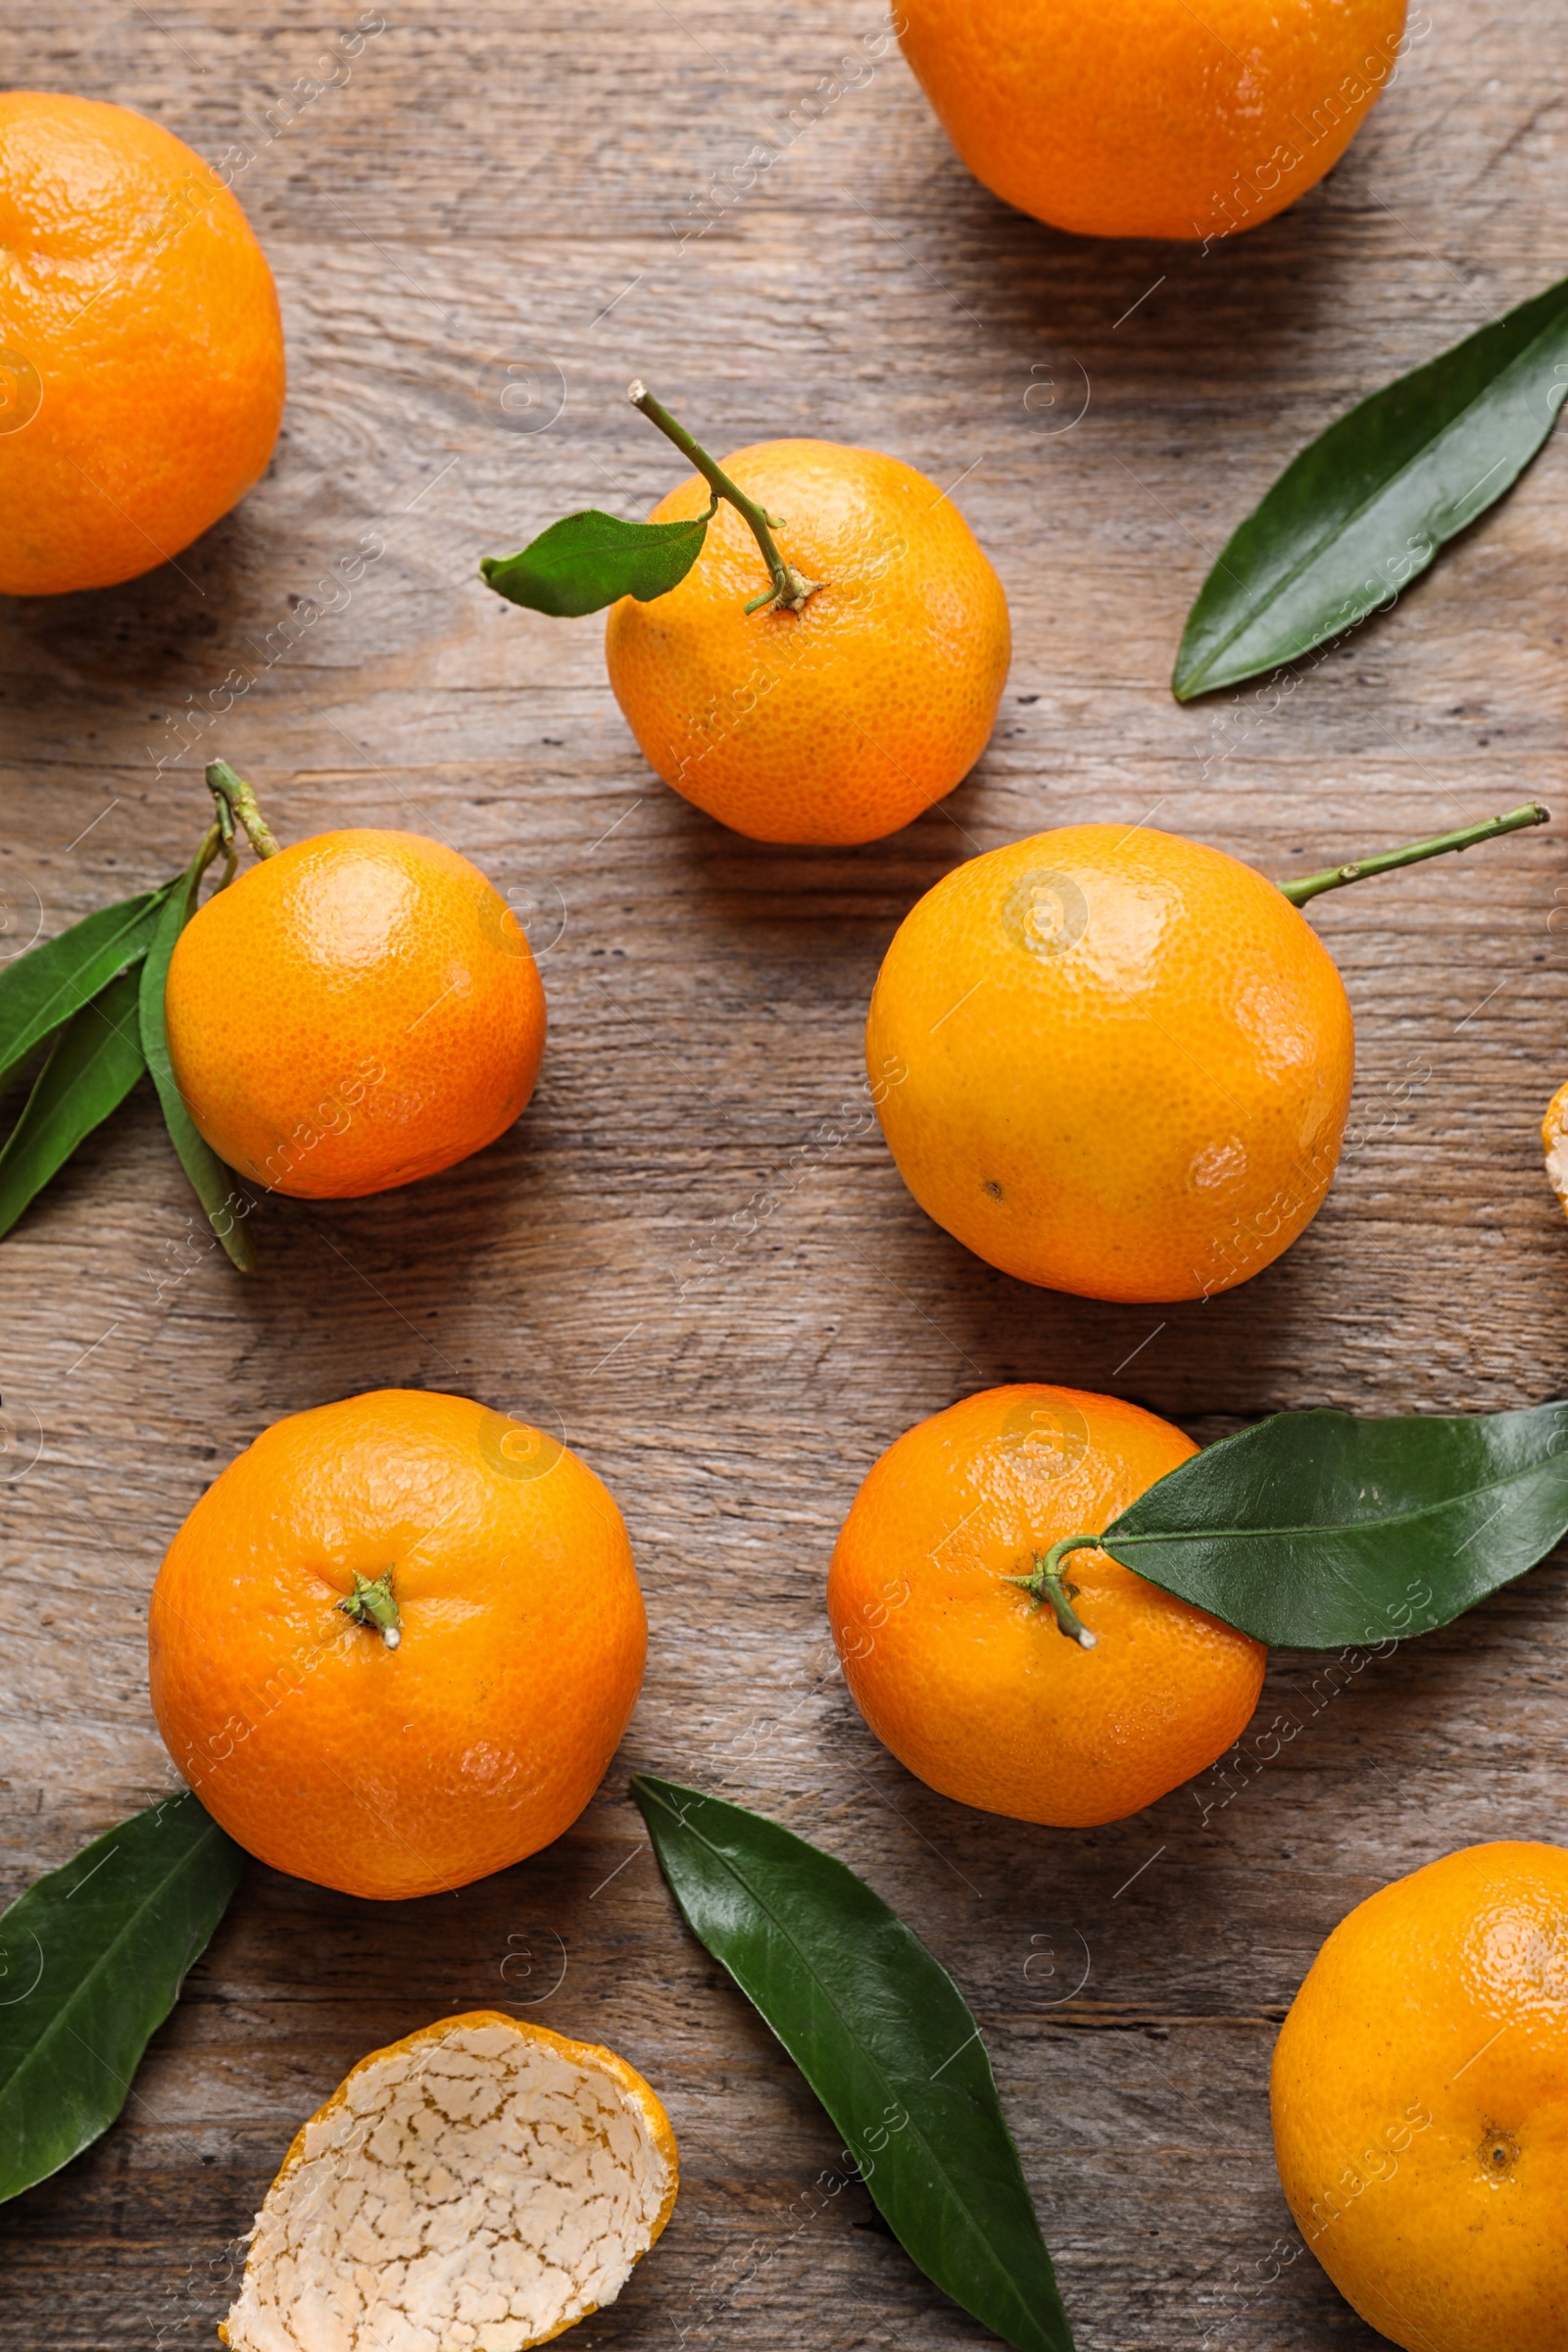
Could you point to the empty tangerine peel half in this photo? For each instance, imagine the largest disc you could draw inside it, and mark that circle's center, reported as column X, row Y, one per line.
column 478, row 2187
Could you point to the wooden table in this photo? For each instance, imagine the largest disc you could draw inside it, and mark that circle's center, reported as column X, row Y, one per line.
column 523, row 185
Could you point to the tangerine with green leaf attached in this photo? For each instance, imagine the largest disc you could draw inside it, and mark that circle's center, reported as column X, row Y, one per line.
column 1068, row 1697
column 351, row 1013
column 806, row 639
column 396, row 1644
column 141, row 350
column 844, row 719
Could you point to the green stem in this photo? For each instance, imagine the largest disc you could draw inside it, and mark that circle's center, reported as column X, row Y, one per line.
column 372, row 1603
column 1049, row 1587
column 1312, row 885
column 236, row 801
column 790, row 588
column 212, row 842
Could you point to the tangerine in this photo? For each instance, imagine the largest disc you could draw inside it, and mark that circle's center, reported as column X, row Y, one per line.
column 1420, row 2103
column 141, row 350
column 1151, row 118
column 353, row 1012
column 396, row 1644
column 840, row 721
column 965, row 1675
column 1120, row 1062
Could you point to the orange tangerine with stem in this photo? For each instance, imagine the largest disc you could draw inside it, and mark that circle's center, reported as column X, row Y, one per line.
column 1123, row 1059
column 806, row 641
column 353, row 1012
column 1069, row 1699
column 397, row 1642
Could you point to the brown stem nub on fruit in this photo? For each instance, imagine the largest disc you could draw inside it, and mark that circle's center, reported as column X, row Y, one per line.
column 372, row 1603
column 237, row 802
column 1049, row 1588
column 790, row 588
column 1312, row 885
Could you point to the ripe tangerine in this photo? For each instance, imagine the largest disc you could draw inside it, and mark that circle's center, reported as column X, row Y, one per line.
column 967, row 1678
column 1151, row 118
column 356, row 1012
column 141, row 375
column 1420, row 2102
column 1121, row 1062
column 841, row 721
column 396, row 1644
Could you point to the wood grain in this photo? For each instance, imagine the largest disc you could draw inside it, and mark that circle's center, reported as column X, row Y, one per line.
column 525, row 184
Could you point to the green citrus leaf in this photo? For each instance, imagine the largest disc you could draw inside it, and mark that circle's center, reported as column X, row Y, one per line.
column 93, row 1064
column 216, row 1187
column 49, row 983
column 1366, row 507
column 1319, row 1531
column 92, row 1958
column 884, row 2038
column 587, row 561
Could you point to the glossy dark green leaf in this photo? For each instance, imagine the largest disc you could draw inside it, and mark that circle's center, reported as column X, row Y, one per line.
column 1319, row 1531
column 884, row 2038
column 216, row 1187
column 1366, row 507
column 587, row 561
column 92, row 1958
column 43, row 988
column 94, row 1062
